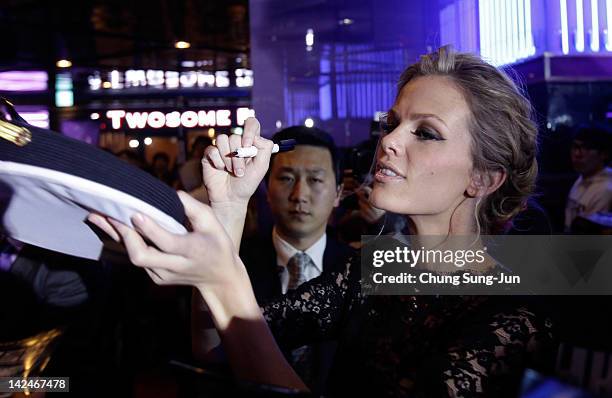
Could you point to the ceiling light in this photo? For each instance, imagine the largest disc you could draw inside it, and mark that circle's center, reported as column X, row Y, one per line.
column 181, row 45
column 63, row 63
column 309, row 38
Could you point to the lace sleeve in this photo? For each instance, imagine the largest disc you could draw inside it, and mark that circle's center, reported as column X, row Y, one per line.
column 316, row 310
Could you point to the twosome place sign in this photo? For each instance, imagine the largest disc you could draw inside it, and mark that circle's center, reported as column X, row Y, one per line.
column 121, row 119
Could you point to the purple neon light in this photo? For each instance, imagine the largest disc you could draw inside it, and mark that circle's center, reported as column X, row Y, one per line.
column 38, row 119
column 23, row 81
column 609, row 115
column 34, row 114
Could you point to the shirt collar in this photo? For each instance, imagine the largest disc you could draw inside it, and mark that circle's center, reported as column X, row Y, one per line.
column 603, row 174
column 284, row 250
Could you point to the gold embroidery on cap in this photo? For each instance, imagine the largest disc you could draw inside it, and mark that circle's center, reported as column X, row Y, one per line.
column 19, row 136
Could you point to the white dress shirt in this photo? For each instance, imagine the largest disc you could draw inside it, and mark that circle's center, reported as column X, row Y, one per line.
column 589, row 196
column 284, row 252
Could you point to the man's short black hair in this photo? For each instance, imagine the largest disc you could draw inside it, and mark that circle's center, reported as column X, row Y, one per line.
column 310, row 136
column 595, row 136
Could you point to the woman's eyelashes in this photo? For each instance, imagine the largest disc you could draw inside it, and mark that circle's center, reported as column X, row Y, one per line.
column 425, row 134
column 388, row 123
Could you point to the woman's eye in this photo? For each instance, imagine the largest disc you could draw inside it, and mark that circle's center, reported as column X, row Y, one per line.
column 426, row 135
column 284, row 178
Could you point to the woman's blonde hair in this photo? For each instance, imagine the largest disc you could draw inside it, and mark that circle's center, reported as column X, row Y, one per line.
column 504, row 134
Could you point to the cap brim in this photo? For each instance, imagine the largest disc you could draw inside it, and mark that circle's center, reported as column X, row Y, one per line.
column 49, row 208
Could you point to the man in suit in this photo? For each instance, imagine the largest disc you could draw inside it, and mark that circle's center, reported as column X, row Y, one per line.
column 304, row 187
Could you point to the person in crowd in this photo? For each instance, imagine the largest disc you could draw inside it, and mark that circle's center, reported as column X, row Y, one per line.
column 303, row 190
column 160, row 168
column 132, row 158
column 357, row 215
column 190, row 173
column 592, row 191
column 458, row 157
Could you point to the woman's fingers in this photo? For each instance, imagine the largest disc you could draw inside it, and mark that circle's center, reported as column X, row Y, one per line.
column 235, row 142
column 104, row 225
column 164, row 277
column 251, row 130
column 223, row 145
column 154, row 276
column 200, row 215
column 264, row 151
column 213, row 157
column 164, row 240
column 143, row 255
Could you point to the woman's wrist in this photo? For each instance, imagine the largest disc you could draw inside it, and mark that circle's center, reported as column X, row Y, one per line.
column 232, row 299
column 231, row 215
column 230, row 211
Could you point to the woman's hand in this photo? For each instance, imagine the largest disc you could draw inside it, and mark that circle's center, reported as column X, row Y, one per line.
column 232, row 180
column 207, row 260
column 204, row 258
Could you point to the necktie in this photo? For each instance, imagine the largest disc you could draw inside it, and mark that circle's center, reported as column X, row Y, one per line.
column 301, row 358
column 296, row 267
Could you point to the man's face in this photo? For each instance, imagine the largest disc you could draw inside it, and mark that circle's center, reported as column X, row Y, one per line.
column 586, row 161
column 302, row 191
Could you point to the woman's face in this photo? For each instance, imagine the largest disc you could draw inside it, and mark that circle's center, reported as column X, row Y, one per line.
column 424, row 158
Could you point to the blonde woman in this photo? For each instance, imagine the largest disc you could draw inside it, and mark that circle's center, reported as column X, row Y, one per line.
column 457, row 158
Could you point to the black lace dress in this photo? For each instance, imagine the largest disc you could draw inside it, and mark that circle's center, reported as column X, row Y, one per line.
column 412, row 345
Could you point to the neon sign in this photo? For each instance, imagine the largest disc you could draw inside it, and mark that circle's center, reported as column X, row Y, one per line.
column 23, row 80
column 122, row 119
column 150, row 78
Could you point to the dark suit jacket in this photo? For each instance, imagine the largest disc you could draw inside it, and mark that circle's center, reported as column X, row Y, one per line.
column 259, row 257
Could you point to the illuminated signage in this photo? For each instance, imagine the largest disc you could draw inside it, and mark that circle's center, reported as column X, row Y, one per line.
column 244, row 77
column 122, row 119
column 35, row 117
column 64, row 96
column 118, row 80
column 23, row 80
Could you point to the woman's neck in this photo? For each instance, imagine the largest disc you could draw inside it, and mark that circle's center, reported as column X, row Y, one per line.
column 454, row 230
column 458, row 220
